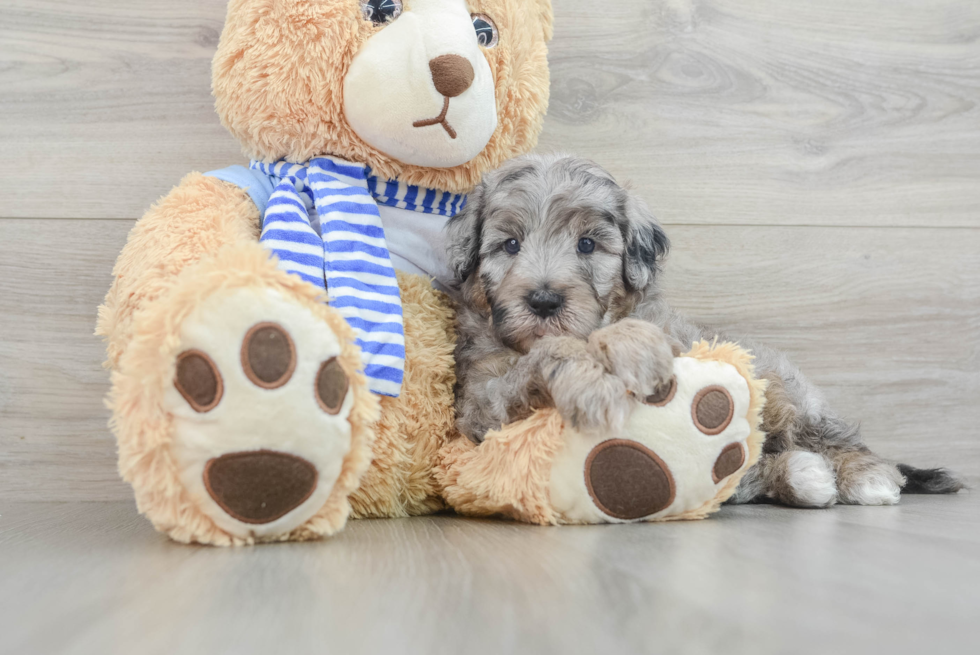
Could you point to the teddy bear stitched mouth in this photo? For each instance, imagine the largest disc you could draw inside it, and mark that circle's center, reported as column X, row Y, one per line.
column 439, row 120
column 452, row 75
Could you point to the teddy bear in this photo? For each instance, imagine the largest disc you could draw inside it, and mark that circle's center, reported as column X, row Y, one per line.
column 279, row 336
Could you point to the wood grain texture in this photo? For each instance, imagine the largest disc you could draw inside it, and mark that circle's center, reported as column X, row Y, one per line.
column 839, row 112
column 54, row 438
column 94, row 578
column 109, row 102
column 888, row 321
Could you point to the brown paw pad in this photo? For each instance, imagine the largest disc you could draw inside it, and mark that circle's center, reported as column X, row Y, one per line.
column 198, row 381
column 268, row 356
column 259, row 487
column 713, row 410
column 729, row 462
column 331, row 386
column 627, row 480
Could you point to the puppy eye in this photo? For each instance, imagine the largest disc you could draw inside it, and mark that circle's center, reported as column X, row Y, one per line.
column 380, row 12
column 586, row 246
column 486, row 30
column 512, row 246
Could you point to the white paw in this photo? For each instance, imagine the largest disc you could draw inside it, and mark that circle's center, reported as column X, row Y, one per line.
column 812, row 479
column 877, row 486
column 260, row 404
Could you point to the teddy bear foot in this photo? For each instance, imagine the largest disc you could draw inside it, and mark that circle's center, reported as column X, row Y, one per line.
column 681, row 454
column 260, row 404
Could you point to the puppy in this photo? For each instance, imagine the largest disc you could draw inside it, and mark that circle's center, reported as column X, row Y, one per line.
column 557, row 271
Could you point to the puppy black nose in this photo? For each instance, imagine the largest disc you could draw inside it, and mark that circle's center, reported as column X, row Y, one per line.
column 545, row 303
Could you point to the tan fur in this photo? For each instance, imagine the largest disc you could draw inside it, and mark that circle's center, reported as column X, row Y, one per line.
column 280, row 68
column 508, row 474
column 144, row 429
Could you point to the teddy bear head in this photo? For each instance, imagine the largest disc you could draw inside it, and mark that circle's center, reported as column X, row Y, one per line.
column 431, row 92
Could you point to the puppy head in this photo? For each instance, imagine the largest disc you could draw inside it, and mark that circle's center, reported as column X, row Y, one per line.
column 554, row 246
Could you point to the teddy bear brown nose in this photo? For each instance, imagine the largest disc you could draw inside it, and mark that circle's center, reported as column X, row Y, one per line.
column 259, row 487
column 451, row 74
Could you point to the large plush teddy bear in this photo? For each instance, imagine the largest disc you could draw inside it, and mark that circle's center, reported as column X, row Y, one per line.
column 248, row 409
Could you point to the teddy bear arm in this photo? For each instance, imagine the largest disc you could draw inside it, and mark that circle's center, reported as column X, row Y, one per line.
column 509, row 474
column 196, row 219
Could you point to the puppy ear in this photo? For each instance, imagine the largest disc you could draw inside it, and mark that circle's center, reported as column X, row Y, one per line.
column 464, row 236
column 646, row 244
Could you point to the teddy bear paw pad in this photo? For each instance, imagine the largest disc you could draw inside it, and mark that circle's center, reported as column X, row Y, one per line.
column 260, row 405
column 627, row 480
column 676, row 453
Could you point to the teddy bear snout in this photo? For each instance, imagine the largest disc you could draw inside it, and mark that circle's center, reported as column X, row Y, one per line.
column 259, row 487
column 452, row 75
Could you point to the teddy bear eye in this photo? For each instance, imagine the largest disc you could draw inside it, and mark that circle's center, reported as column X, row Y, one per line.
column 486, row 30
column 380, row 12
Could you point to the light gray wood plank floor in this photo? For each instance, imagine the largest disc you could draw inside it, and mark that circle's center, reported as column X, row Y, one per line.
column 81, row 578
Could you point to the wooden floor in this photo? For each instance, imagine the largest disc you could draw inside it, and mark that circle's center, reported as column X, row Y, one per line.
column 95, row 578
column 817, row 165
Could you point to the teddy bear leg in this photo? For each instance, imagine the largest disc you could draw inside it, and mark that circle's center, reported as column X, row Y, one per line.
column 509, row 473
column 239, row 409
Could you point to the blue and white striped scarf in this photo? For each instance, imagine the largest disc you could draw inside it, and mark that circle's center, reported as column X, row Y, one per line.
column 348, row 258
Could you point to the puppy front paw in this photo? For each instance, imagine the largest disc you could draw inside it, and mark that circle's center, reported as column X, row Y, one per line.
column 639, row 354
column 591, row 402
column 582, row 391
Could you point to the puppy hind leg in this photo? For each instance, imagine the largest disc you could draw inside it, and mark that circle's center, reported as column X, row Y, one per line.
column 864, row 478
column 799, row 478
column 796, row 478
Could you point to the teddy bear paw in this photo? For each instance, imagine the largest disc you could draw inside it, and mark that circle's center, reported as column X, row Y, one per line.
column 674, row 459
column 260, row 404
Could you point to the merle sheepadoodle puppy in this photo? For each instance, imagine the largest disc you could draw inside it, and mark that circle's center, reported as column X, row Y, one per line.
column 559, row 305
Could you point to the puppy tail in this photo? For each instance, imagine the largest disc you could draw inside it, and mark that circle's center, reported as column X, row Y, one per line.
column 929, row 481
